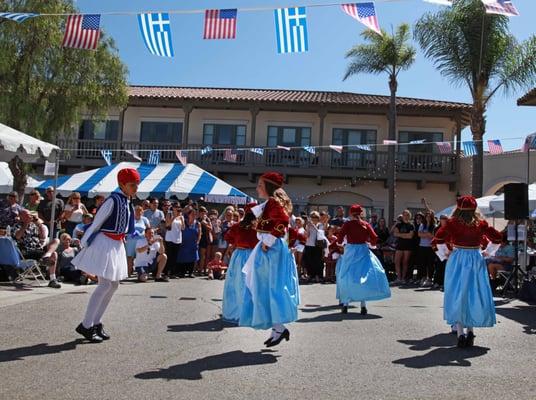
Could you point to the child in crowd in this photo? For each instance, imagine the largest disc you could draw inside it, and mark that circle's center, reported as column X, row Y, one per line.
column 216, row 267
column 334, row 252
column 80, row 229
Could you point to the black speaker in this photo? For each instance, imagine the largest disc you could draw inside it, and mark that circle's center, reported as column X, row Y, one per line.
column 516, row 201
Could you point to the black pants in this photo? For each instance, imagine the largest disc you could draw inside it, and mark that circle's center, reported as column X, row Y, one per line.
column 439, row 275
column 172, row 250
column 427, row 261
column 313, row 261
column 186, row 268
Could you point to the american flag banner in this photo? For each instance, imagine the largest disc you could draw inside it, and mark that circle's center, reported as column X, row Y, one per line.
column 283, row 148
column 469, row 148
column 154, row 157
column 310, row 149
column 364, row 13
column 220, row 24
column 338, row 149
column 155, row 29
column 389, row 142
column 444, row 147
column 229, row 155
column 182, row 156
column 107, row 155
column 257, row 150
column 17, row 17
column 134, row 154
column 364, row 147
column 495, row 146
column 530, row 142
column 291, row 30
column 500, row 7
column 206, row 150
column 82, row 32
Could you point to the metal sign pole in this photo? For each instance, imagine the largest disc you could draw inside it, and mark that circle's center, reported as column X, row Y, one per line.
column 53, row 210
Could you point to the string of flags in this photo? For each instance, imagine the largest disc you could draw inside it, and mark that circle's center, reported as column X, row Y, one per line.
column 82, row 31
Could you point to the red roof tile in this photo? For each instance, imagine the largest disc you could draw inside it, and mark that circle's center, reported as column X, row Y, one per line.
column 528, row 100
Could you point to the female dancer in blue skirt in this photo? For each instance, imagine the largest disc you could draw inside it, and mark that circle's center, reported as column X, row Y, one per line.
column 272, row 294
column 360, row 275
column 243, row 239
column 468, row 301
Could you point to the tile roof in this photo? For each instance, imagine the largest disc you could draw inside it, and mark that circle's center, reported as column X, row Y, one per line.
column 528, row 99
column 285, row 96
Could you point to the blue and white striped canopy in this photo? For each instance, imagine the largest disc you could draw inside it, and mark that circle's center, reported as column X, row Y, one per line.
column 162, row 180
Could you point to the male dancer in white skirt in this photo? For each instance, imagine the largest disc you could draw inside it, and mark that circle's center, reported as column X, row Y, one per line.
column 103, row 252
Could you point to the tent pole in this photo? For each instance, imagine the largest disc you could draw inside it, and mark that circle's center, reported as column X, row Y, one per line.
column 53, row 210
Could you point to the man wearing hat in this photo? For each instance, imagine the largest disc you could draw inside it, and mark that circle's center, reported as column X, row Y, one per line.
column 103, row 252
column 45, row 208
column 9, row 213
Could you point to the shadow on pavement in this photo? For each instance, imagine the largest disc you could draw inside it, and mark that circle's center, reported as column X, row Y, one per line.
column 445, row 354
column 41, row 349
column 340, row 317
column 192, row 370
column 311, row 308
column 525, row 315
column 214, row 325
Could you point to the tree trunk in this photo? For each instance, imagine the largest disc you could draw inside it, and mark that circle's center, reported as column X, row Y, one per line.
column 391, row 181
column 16, row 166
column 478, row 128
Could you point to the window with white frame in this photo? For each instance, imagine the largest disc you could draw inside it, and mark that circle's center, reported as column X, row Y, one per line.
column 415, row 136
column 161, row 132
column 99, row 130
column 289, row 136
column 224, row 134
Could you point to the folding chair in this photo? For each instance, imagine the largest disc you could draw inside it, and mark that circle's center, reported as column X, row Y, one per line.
column 26, row 269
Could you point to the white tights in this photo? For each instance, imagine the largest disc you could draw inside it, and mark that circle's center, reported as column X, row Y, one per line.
column 459, row 329
column 98, row 302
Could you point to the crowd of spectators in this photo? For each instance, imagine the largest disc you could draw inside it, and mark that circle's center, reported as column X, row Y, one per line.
column 182, row 239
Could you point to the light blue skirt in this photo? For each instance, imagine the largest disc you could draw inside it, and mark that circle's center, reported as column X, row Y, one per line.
column 468, row 299
column 272, row 293
column 235, row 282
column 360, row 275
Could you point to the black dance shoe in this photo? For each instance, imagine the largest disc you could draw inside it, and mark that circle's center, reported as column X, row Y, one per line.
column 364, row 311
column 99, row 329
column 344, row 309
column 284, row 335
column 269, row 339
column 89, row 333
column 462, row 341
column 470, row 340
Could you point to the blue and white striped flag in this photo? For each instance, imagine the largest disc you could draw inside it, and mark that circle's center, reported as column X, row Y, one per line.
column 469, row 148
column 17, row 17
column 364, row 147
column 257, row 150
column 420, row 141
column 310, row 149
column 155, row 29
column 154, row 157
column 291, row 30
column 107, row 155
column 206, row 150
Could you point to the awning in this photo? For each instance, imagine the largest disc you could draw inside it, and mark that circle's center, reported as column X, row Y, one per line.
column 14, row 143
column 6, row 180
column 162, row 180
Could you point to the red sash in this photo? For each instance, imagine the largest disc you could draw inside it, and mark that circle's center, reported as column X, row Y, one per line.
column 115, row 236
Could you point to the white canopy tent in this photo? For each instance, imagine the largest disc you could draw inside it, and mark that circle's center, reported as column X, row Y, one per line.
column 15, row 143
column 6, row 180
column 484, row 205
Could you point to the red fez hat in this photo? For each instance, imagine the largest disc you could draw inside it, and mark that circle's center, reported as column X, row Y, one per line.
column 356, row 209
column 127, row 175
column 248, row 207
column 466, row 203
column 273, row 177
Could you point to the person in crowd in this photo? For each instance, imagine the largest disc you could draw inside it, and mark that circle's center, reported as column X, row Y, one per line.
column 324, row 220
column 427, row 257
column 272, row 293
column 154, row 215
column 216, row 232
column 439, row 275
column 383, row 233
column 339, row 218
column 415, row 270
column 468, row 300
column 313, row 259
column 242, row 239
column 150, row 257
column 360, row 275
column 10, row 210
column 103, row 253
column 97, row 202
column 65, row 255
column 334, row 252
column 216, row 267
column 241, row 213
column 299, row 245
column 226, row 223
column 45, row 209
column 34, row 198
column 141, row 223
column 188, row 253
column 80, row 229
column 502, row 261
column 31, row 236
column 146, row 205
column 206, row 239
column 174, row 227
column 236, row 217
column 404, row 232
column 73, row 212
column 373, row 221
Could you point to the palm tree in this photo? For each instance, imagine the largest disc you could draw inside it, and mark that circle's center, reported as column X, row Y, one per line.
column 477, row 50
column 387, row 54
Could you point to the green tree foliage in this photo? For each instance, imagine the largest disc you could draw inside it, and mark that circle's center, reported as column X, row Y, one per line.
column 477, row 51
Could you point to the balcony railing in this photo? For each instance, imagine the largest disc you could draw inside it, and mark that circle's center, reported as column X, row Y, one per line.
column 326, row 162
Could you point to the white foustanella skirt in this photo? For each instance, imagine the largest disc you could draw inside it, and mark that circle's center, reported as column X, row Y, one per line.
column 104, row 257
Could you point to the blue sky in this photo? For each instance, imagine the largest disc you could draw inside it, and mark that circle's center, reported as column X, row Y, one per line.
column 251, row 60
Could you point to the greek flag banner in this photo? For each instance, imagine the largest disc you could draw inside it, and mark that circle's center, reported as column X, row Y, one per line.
column 291, row 30
column 470, row 149
column 154, row 157
column 364, row 147
column 206, row 150
column 107, row 155
column 310, row 149
column 257, row 150
column 155, row 29
column 17, row 17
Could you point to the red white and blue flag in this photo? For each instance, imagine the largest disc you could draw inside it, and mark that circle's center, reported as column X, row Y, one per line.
column 364, row 13
column 501, row 7
column 444, row 147
column 220, row 24
column 82, row 31
column 229, row 155
column 495, row 146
